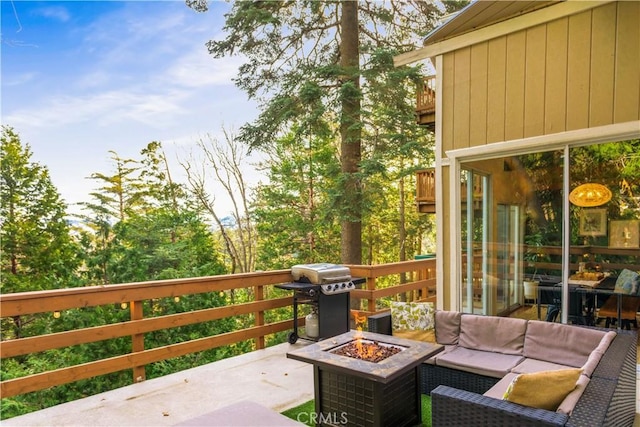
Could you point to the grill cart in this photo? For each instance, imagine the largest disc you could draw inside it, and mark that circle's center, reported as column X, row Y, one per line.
column 325, row 287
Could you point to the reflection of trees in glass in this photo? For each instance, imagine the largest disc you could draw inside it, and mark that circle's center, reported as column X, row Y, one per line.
column 615, row 165
column 543, row 193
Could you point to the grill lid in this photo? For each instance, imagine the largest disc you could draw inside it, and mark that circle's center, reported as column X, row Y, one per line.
column 321, row 273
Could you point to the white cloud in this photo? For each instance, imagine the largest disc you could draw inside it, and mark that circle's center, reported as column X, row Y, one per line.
column 197, row 68
column 103, row 109
column 57, row 13
column 19, row 79
column 95, row 79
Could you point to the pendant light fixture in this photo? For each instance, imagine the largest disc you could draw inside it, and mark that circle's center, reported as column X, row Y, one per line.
column 590, row 195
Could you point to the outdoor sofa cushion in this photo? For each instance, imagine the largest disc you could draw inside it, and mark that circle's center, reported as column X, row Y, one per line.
column 447, row 327
column 560, row 343
column 491, row 364
column 530, row 365
column 595, row 356
column 491, row 333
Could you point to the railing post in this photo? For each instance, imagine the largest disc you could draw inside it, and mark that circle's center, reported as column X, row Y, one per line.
column 137, row 341
column 259, row 296
column 423, row 274
column 371, row 302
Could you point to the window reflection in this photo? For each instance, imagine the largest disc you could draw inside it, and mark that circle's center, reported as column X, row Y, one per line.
column 512, row 228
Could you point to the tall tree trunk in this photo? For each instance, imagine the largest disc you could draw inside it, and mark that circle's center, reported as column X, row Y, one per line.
column 350, row 136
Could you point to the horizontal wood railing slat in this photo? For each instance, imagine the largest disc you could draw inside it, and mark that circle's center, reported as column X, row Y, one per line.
column 61, row 299
column 60, row 376
column 16, row 347
column 386, row 292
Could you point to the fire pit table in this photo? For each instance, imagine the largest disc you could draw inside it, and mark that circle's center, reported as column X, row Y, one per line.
column 352, row 391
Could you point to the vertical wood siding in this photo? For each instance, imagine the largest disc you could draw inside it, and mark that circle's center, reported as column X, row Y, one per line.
column 571, row 73
column 578, row 60
column 626, row 106
column 555, row 84
column 496, row 89
column 514, row 97
column 479, row 101
column 603, row 51
column 461, row 97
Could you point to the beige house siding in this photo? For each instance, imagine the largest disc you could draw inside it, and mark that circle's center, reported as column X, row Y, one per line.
column 575, row 72
column 571, row 73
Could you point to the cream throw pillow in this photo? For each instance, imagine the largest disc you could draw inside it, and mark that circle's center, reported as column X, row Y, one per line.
column 544, row 390
column 413, row 320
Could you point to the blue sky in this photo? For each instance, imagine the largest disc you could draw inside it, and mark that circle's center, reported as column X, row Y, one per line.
column 80, row 78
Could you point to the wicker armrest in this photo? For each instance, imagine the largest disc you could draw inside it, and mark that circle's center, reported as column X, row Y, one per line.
column 380, row 323
column 454, row 407
column 620, row 359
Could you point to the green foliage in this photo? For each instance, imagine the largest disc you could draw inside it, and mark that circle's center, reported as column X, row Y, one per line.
column 139, row 229
column 163, row 245
column 143, row 227
column 292, row 212
column 37, row 251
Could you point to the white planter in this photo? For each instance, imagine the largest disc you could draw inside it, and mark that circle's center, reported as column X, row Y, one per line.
column 531, row 290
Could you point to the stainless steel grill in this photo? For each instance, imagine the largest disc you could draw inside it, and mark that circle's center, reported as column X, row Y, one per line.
column 331, row 278
column 325, row 287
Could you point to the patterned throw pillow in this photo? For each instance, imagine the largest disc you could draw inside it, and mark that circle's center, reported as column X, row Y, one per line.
column 413, row 320
column 544, row 390
column 628, row 283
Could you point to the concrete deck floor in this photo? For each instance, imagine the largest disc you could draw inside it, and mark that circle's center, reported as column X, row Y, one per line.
column 265, row 376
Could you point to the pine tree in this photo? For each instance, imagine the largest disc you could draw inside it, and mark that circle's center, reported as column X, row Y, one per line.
column 312, row 65
column 36, row 248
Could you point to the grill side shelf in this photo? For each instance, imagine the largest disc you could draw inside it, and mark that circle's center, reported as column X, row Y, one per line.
column 304, row 286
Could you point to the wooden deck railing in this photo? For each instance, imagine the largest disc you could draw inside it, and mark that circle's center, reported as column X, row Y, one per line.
column 426, row 96
column 596, row 257
column 426, row 103
column 421, row 285
column 426, row 186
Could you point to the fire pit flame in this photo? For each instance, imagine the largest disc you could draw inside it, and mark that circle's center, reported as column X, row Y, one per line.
column 368, row 350
column 359, row 320
column 363, row 349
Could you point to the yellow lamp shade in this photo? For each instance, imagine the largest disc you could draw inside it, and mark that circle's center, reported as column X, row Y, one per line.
column 590, row 195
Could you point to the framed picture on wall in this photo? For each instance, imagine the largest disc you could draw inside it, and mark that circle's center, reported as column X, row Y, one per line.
column 593, row 222
column 624, row 234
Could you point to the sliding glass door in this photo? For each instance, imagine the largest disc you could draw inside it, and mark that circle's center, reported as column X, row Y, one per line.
column 522, row 220
column 515, row 211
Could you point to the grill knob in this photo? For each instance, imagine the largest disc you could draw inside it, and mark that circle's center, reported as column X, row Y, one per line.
column 312, row 292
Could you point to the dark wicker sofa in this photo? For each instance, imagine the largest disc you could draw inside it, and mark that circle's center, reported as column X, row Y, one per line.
column 457, row 396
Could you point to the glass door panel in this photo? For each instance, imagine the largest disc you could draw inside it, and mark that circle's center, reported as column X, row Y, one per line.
column 476, row 289
column 511, row 231
column 508, row 257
